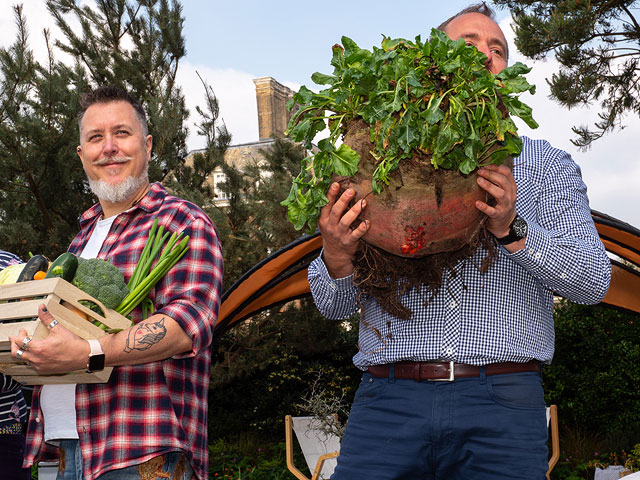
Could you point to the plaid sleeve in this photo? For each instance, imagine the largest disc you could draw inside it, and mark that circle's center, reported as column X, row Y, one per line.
column 190, row 292
column 563, row 249
column 336, row 299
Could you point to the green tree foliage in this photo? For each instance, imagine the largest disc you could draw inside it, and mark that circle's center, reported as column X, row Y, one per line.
column 43, row 188
column 253, row 224
column 597, row 43
column 192, row 180
column 595, row 372
column 265, row 368
column 137, row 45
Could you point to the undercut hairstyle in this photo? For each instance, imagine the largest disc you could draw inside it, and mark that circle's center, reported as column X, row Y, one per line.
column 481, row 8
column 108, row 94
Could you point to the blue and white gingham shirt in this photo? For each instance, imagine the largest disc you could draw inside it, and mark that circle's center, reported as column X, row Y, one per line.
column 505, row 314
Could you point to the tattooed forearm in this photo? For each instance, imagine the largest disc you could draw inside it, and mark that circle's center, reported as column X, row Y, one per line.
column 145, row 335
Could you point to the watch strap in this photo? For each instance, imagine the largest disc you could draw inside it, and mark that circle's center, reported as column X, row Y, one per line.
column 516, row 233
column 95, row 346
column 512, row 237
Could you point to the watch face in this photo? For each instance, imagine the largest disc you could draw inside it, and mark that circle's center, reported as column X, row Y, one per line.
column 96, row 363
column 519, row 227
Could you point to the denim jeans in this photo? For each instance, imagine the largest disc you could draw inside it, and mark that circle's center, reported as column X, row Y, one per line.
column 483, row 428
column 163, row 466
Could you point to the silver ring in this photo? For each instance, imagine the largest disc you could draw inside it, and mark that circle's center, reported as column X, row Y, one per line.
column 19, row 354
column 52, row 324
column 25, row 343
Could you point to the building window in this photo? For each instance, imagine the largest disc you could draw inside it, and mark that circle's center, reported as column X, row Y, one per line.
column 218, row 180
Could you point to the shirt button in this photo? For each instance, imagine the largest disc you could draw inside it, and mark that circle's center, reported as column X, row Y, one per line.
column 449, row 351
column 538, row 255
column 453, row 304
column 37, row 419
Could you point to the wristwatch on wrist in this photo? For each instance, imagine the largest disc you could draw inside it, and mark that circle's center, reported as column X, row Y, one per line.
column 517, row 231
column 96, row 357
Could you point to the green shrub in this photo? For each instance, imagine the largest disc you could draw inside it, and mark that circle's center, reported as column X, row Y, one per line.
column 233, row 462
column 264, row 370
column 595, row 372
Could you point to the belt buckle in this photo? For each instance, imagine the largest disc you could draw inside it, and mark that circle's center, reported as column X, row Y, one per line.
column 452, row 374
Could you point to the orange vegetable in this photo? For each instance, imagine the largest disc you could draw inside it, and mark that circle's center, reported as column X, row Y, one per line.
column 39, row 275
column 78, row 312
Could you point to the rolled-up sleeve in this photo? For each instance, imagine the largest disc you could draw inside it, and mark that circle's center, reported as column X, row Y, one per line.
column 190, row 292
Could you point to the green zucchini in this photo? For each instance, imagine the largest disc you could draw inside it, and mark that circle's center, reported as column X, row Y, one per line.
column 35, row 264
column 64, row 266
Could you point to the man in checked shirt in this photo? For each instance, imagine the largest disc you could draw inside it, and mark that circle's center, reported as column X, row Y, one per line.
column 150, row 419
column 486, row 335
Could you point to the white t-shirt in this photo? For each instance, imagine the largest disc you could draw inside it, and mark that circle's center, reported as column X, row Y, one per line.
column 58, row 402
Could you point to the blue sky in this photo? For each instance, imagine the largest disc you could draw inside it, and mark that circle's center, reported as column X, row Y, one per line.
column 229, row 43
column 290, row 40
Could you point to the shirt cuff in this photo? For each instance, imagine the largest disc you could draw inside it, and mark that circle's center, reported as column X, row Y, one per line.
column 533, row 255
column 338, row 283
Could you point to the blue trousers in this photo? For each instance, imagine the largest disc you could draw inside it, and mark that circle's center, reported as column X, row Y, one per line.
column 483, row 428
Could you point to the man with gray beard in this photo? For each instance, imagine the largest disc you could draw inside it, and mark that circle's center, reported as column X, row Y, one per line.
column 150, row 419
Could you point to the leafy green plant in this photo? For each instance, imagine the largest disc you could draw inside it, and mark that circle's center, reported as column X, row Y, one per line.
column 434, row 98
column 595, row 372
column 232, row 461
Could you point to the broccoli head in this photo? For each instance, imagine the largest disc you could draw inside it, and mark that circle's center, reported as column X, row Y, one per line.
column 102, row 280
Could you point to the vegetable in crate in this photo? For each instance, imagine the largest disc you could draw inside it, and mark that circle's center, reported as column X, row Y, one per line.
column 64, row 267
column 144, row 277
column 36, row 263
column 102, row 280
column 11, row 273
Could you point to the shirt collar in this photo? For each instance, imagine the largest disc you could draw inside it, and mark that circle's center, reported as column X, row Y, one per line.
column 149, row 203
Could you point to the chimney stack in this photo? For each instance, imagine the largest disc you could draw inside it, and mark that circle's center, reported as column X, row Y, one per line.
column 272, row 98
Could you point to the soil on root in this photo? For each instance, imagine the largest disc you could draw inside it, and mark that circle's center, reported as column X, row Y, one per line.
column 387, row 277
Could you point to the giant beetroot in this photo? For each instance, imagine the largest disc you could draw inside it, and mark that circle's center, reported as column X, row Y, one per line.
column 408, row 125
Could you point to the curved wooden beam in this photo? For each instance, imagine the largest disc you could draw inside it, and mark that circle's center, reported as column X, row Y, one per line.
column 282, row 276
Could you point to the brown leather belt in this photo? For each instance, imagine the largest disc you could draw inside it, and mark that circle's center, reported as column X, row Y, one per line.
column 449, row 371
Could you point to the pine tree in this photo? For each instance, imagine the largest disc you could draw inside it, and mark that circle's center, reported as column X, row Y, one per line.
column 597, row 45
column 43, row 187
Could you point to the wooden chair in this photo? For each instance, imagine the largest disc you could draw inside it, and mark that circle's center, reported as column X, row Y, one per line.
column 552, row 423
column 318, row 448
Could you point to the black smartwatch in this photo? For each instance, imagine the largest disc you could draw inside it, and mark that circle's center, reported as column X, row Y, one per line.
column 96, row 357
column 517, row 231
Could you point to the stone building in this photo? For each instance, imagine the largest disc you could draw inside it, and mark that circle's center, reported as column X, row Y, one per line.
column 273, row 118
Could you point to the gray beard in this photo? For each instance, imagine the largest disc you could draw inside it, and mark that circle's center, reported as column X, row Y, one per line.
column 119, row 192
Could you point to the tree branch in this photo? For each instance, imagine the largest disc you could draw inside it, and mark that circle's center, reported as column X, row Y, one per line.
column 633, row 19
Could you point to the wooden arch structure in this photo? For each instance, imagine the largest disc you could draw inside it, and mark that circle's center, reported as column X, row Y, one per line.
column 282, row 276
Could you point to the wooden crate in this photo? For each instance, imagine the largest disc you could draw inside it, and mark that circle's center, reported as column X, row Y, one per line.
column 19, row 309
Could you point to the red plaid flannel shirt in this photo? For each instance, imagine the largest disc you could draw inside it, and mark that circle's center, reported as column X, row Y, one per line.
column 154, row 408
